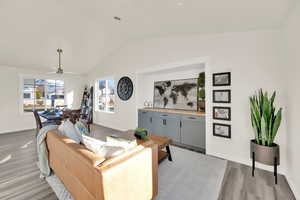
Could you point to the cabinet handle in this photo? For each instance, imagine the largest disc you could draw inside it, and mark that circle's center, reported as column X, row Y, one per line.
column 164, row 122
column 180, row 124
column 192, row 117
column 164, row 115
column 150, row 119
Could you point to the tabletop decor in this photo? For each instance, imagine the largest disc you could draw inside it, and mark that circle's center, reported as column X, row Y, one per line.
column 141, row 133
column 265, row 121
column 125, row 88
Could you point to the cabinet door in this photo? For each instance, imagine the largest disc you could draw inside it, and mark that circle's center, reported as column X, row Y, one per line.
column 170, row 126
column 193, row 130
column 156, row 124
column 145, row 120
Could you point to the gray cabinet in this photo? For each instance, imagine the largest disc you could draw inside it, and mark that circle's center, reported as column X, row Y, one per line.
column 170, row 126
column 188, row 130
column 145, row 120
column 193, row 131
column 157, row 124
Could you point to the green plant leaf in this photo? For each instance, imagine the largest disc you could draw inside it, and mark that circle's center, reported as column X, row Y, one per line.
column 263, row 129
column 271, row 120
column 255, row 128
column 276, row 125
column 273, row 98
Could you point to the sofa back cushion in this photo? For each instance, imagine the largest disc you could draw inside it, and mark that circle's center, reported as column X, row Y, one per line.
column 68, row 129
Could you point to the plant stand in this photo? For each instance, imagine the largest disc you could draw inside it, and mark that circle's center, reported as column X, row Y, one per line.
column 265, row 155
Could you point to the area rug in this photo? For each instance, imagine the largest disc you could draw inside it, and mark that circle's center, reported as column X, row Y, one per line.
column 190, row 176
column 58, row 188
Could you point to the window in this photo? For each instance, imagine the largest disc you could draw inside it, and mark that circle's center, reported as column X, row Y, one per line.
column 105, row 100
column 40, row 94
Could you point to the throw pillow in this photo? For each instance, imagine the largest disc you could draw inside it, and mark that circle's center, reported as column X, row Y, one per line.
column 101, row 148
column 81, row 128
column 110, row 151
column 92, row 144
column 67, row 129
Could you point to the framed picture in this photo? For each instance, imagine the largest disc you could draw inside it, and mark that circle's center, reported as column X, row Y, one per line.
column 176, row 94
column 222, row 113
column 222, row 130
column 222, row 79
column 221, row 96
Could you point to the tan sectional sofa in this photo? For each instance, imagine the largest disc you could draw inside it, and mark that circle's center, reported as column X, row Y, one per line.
column 129, row 176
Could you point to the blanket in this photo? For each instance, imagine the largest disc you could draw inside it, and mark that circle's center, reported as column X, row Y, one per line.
column 42, row 151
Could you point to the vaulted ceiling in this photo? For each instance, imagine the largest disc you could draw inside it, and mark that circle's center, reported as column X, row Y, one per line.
column 32, row 30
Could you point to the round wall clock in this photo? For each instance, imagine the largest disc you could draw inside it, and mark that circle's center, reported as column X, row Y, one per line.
column 125, row 88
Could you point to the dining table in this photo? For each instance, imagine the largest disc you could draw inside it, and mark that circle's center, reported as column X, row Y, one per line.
column 52, row 115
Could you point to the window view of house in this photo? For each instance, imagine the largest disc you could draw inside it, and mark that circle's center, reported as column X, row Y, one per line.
column 106, row 95
column 40, row 94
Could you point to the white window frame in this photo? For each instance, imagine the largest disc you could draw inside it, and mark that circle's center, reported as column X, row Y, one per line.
column 43, row 77
column 96, row 97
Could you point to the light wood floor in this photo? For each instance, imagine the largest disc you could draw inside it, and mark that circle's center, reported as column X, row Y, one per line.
column 238, row 184
column 19, row 175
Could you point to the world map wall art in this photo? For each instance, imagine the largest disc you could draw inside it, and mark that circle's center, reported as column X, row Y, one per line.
column 176, row 94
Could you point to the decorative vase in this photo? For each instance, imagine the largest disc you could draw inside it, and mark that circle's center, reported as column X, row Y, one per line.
column 268, row 155
column 265, row 154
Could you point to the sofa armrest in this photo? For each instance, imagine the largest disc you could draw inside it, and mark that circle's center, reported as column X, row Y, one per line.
column 133, row 176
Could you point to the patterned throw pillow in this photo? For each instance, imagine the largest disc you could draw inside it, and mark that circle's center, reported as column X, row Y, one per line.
column 81, row 128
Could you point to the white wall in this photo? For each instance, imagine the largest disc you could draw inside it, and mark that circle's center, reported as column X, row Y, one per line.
column 123, row 109
column 11, row 117
column 252, row 57
column 291, row 66
column 145, row 80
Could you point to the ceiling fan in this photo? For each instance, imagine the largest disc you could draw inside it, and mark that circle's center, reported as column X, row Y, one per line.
column 60, row 69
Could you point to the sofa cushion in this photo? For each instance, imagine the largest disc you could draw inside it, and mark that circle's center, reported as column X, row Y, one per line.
column 92, row 144
column 68, row 129
column 101, row 147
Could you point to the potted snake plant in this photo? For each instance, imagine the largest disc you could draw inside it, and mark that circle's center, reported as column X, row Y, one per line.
column 265, row 122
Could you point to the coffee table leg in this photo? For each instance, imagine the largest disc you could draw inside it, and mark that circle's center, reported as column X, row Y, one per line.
column 169, row 153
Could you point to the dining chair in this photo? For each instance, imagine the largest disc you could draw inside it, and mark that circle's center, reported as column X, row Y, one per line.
column 39, row 123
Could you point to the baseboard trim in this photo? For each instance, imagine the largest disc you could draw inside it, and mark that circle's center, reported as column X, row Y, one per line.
column 15, row 131
column 293, row 187
column 109, row 127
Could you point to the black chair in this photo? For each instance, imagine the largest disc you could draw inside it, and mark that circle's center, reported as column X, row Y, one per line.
column 39, row 123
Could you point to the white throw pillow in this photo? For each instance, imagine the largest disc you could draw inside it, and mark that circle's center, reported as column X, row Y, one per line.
column 67, row 129
column 92, row 144
column 101, row 148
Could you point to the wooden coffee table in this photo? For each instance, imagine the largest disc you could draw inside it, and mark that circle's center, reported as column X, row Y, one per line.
column 161, row 141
